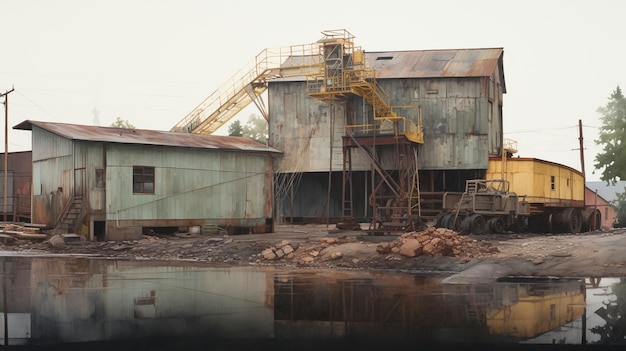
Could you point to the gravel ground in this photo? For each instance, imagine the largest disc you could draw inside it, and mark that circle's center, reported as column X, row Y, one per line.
column 595, row 254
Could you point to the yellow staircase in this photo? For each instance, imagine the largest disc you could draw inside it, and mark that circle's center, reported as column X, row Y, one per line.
column 247, row 85
column 327, row 79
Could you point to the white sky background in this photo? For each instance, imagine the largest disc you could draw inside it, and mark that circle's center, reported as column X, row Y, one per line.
column 151, row 62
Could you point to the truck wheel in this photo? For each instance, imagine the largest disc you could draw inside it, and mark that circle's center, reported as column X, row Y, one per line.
column 496, row 225
column 478, row 224
column 572, row 220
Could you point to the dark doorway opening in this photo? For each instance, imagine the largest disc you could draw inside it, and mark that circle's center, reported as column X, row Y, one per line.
column 99, row 230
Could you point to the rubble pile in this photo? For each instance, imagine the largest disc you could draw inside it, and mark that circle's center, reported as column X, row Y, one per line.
column 324, row 249
column 436, row 242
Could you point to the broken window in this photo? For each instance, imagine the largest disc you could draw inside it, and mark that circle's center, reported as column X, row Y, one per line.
column 143, row 180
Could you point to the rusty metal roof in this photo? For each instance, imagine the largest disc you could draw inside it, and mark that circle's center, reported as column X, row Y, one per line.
column 437, row 63
column 445, row 63
column 147, row 137
column 434, row 63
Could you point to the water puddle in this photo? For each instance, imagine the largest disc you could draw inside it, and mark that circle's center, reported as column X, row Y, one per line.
column 73, row 301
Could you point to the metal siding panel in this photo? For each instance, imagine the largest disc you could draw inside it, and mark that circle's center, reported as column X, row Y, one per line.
column 190, row 184
column 301, row 129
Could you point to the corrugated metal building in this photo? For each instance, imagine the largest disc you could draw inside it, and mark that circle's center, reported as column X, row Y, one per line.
column 19, row 175
column 459, row 93
column 114, row 183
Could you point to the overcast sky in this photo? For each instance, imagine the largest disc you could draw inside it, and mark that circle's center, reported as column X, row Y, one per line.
column 151, row 62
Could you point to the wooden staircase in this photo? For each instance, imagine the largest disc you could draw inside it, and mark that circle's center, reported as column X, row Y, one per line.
column 72, row 216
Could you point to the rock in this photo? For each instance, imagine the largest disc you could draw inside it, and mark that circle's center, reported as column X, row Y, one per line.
column 287, row 249
column 268, row 254
column 383, row 248
column 411, row 248
column 428, row 250
column 336, row 255
column 281, row 244
column 57, row 241
column 279, row 254
column 329, row 241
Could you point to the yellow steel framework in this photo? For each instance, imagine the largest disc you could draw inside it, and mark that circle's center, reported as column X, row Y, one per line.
column 333, row 67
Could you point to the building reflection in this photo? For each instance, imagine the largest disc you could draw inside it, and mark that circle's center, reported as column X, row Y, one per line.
column 387, row 306
column 69, row 300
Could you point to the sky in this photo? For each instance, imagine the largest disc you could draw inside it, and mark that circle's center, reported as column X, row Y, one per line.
column 151, row 62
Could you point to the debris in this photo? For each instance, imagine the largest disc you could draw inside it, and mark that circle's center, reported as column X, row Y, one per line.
column 434, row 242
column 57, row 241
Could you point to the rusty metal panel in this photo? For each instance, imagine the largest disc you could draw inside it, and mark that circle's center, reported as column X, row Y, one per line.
column 300, row 127
column 19, row 180
column 69, row 132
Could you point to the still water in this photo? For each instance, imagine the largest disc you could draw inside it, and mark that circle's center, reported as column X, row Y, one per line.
column 68, row 301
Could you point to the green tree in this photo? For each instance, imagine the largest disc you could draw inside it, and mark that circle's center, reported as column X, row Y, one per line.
column 235, row 129
column 620, row 204
column 120, row 123
column 256, row 129
column 612, row 137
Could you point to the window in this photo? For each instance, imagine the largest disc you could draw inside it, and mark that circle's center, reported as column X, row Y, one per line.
column 99, row 178
column 143, row 180
column 552, row 185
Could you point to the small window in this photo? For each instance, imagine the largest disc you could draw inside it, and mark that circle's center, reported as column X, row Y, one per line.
column 143, row 180
column 99, row 178
column 552, row 184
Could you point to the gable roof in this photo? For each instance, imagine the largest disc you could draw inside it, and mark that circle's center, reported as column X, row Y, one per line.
column 147, row 137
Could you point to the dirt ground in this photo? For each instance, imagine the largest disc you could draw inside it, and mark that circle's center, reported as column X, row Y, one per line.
column 473, row 259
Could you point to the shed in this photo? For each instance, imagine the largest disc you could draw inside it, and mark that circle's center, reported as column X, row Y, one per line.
column 110, row 183
column 608, row 212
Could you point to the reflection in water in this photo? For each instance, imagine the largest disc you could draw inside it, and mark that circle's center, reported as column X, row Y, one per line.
column 389, row 306
column 613, row 308
column 70, row 300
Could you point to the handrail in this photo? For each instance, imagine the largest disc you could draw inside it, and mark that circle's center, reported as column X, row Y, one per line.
column 229, row 98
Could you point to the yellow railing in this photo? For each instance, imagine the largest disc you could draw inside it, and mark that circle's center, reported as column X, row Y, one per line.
column 306, row 60
column 249, row 82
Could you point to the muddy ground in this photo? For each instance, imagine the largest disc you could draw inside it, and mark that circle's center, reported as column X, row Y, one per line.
column 468, row 258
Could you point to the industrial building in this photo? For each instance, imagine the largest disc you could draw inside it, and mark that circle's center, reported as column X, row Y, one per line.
column 368, row 136
column 115, row 183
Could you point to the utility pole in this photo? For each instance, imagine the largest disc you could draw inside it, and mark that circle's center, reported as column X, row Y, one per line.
column 6, row 148
column 582, row 150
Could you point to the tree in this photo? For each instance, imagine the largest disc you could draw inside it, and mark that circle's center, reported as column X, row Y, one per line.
column 120, row 123
column 235, row 129
column 256, row 129
column 612, row 135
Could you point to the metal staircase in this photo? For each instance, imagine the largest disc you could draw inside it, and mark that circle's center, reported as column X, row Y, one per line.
column 335, row 70
column 248, row 84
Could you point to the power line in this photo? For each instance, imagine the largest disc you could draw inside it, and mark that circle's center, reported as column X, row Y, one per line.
column 39, row 107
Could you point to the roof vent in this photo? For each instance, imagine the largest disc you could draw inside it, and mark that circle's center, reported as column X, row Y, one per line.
column 384, row 58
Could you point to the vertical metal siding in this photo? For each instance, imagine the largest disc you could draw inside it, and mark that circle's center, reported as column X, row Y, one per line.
column 189, row 184
column 300, row 127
